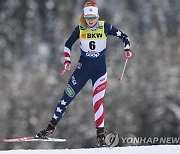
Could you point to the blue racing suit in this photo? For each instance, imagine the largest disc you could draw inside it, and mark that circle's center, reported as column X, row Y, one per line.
column 91, row 65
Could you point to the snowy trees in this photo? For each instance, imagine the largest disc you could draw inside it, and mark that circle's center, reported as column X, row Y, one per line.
column 146, row 103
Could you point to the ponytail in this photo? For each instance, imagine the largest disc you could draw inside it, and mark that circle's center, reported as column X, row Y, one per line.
column 82, row 21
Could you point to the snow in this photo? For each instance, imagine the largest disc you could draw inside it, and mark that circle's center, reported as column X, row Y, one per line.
column 158, row 149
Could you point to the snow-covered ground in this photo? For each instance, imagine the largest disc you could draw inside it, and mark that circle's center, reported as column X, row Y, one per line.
column 160, row 149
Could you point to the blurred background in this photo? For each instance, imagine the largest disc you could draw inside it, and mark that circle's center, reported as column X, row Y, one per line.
column 145, row 104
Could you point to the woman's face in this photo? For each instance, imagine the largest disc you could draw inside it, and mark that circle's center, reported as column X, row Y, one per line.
column 91, row 20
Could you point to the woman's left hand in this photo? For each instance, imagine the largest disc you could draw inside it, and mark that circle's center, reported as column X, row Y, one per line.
column 128, row 53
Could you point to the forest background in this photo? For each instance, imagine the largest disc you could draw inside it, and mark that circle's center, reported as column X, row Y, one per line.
column 146, row 103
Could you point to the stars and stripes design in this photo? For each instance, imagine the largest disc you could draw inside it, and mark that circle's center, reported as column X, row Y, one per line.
column 99, row 88
column 124, row 38
column 60, row 109
column 82, row 74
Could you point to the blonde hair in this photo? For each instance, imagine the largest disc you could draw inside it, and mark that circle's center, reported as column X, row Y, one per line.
column 82, row 19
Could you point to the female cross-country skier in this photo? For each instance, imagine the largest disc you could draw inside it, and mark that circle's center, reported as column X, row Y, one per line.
column 92, row 65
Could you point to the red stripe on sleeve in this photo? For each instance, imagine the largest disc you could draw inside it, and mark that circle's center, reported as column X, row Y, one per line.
column 66, row 54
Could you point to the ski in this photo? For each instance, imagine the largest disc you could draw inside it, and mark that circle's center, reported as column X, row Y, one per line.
column 30, row 138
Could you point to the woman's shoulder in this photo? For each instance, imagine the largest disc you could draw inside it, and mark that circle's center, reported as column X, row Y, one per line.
column 81, row 27
column 106, row 24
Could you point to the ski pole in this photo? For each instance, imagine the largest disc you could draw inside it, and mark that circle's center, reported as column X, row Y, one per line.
column 120, row 78
column 62, row 71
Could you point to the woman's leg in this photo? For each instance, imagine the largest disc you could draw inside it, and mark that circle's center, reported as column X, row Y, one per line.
column 76, row 82
column 99, row 87
column 74, row 86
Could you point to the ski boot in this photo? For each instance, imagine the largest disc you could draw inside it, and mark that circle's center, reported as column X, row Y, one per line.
column 101, row 137
column 44, row 134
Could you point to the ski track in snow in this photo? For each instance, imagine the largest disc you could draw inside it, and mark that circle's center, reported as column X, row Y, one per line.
column 157, row 149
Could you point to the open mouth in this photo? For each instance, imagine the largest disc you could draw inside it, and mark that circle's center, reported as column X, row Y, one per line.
column 91, row 23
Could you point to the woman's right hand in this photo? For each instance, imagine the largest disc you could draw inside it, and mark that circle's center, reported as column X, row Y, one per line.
column 66, row 67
